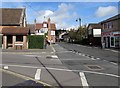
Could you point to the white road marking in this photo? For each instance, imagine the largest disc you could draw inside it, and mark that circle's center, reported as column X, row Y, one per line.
column 113, row 63
column 6, row 67
column 64, row 51
column 54, row 56
column 37, row 75
column 102, row 73
column 84, row 80
column 83, row 54
column 98, row 58
column 32, row 56
column 93, row 58
column 112, row 50
column 59, row 69
column 75, row 59
column 53, row 49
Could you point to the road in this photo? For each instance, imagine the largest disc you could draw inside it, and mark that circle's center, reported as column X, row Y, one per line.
column 63, row 68
column 94, row 62
column 103, row 54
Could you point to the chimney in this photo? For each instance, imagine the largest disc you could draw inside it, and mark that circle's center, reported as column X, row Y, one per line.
column 49, row 24
column 35, row 21
column 49, row 20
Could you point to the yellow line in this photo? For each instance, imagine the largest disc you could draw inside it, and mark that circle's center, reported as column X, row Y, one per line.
column 26, row 77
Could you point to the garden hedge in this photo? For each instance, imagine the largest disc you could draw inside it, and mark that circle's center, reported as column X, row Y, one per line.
column 0, row 40
column 36, row 41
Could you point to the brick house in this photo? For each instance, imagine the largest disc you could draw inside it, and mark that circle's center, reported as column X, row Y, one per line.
column 46, row 27
column 111, row 32
column 13, row 28
column 94, row 34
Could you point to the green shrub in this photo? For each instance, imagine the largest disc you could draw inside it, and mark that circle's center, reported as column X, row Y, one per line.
column 36, row 41
column 0, row 40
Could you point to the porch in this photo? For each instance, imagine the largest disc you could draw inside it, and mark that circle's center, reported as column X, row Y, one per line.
column 15, row 38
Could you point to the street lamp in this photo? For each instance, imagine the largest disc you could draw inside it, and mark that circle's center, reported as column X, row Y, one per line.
column 79, row 19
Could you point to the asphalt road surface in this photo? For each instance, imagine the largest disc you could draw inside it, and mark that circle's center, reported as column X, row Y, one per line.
column 95, row 63
column 63, row 68
column 103, row 54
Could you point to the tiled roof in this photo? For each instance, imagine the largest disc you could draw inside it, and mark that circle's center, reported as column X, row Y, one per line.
column 15, row 30
column 11, row 15
column 53, row 27
column 94, row 25
column 39, row 26
column 32, row 28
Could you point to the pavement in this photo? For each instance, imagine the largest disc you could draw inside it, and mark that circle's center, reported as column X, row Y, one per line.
column 49, row 49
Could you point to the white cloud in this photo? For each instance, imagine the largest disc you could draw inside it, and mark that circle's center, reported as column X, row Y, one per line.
column 60, row 17
column 72, row 27
column 106, row 11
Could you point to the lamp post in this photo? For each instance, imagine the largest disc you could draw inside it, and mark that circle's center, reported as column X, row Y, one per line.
column 79, row 19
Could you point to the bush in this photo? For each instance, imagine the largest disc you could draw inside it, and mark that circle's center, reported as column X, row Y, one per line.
column 0, row 40
column 36, row 41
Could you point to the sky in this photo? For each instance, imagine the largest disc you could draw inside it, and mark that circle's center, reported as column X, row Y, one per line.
column 65, row 14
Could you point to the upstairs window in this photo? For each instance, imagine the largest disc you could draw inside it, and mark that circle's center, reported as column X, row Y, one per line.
column 108, row 25
column 44, row 25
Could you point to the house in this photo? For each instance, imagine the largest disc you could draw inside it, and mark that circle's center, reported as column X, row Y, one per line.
column 111, row 32
column 94, row 34
column 32, row 28
column 13, row 28
column 47, row 28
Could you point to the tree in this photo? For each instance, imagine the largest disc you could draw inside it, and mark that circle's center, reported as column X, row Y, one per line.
column 81, row 34
column 72, row 35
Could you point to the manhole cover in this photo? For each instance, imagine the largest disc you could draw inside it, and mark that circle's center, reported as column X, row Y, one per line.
column 93, row 67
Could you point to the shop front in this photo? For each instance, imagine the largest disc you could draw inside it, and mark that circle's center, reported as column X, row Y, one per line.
column 111, row 40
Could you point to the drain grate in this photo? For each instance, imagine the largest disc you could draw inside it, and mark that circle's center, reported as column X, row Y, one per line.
column 94, row 67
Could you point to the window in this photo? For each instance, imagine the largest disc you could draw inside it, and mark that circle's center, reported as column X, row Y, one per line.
column 19, row 38
column 108, row 25
column 52, row 32
column 44, row 25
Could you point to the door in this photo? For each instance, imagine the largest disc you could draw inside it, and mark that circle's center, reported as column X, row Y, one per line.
column 112, row 41
column 108, row 39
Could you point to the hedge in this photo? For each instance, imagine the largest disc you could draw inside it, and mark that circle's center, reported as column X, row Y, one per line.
column 36, row 41
column 0, row 40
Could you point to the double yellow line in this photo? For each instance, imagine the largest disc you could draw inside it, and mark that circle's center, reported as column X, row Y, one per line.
column 26, row 77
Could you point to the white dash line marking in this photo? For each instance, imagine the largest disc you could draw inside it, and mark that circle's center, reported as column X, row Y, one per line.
column 98, row 58
column 93, row 58
column 54, row 56
column 6, row 67
column 113, row 63
column 37, row 75
column 84, row 80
